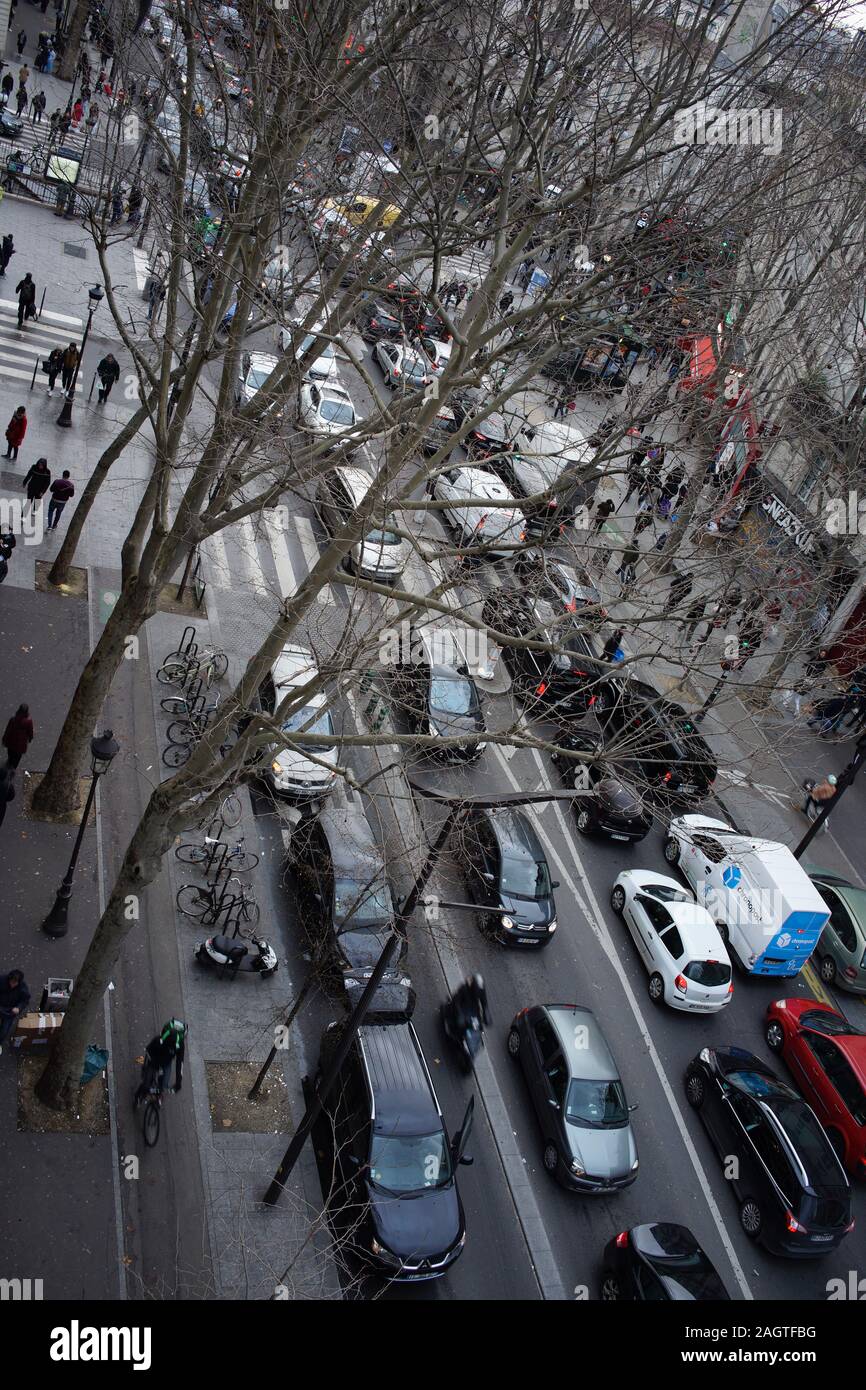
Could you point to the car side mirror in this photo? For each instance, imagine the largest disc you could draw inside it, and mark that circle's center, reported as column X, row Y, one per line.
column 632, row 1108
column 555, row 884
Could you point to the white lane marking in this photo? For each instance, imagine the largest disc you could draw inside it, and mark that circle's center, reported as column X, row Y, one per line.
column 142, row 266
column 46, row 314
column 280, row 551
column 310, row 547
column 602, row 934
column 248, row 552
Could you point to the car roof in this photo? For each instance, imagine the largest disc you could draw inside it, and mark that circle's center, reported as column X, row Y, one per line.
column 853, row 897
column 441, row 644
column 698, row 931
column 294, row 666
column 480, row 483
column 356, row 480
column 593, row 1062
column 515, row 834
column 336, row 392
column 263, row 361
column 353, row 848
column 403, row 1096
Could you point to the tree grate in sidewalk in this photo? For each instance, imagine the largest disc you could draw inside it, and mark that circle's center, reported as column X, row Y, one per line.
column 228, row 1084
column 70, row 249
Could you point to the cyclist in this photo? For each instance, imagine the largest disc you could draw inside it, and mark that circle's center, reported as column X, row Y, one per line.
column 161, row 1051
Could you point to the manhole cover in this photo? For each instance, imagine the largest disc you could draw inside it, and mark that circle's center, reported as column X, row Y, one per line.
column 70, row 249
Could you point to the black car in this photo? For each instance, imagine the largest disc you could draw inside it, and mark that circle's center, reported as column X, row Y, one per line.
column 656, row 1263
column 345, row 903
column 489, row 435
column 428, row 324
column 794, row 1195
column 10, row 125
column 604, row 802
column 654, row 740
column 437, row 693
column 507, row 875
column 377, row 318
column 397, row 1183
column 566, row 680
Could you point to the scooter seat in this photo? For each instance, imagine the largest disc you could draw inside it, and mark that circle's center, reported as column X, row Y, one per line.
column 226, row 946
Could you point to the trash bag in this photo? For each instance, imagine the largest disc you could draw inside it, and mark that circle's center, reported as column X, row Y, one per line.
column 95, row 1061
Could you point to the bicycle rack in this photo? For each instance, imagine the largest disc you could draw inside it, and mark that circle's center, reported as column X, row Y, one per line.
column 212, row 834
column 218, row 851
column 188, row 645
column 233, row 916
column 219, row 898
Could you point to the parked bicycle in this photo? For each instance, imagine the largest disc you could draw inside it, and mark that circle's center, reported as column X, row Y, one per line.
column 236, row 859
column 206, row 903
column 191, row 728
column 180, row 667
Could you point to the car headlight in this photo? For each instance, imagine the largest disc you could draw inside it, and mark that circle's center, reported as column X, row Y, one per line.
column 277, row 767
column 551, row 926
column 634, row 1166
column 434, row 732
column 704, row 1055
column 508, row 924
column 578, row 1168
column 480, row 747
column 383, row 1253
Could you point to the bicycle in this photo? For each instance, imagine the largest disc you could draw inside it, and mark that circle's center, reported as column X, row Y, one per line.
column 237, row 859
column 230, row 811
column 191, row 728
column 176, row 754
column 150, row 1119
column 178, row 667
column 203, row 905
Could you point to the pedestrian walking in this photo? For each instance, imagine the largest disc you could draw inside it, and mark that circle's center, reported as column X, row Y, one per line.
column 564, row 402
column 7, row 794
column 602, row 512
column 61, row 491
column 116, row 204
column 680, row 589
column 461, row 293
column 108, row 371
column 18, row 735
column 14, row 998
column 642, row 521
column 693, row 618
column 68, row 366
column 506, row 302
column 21, row 41
column 155, row 296
column 54, row 367
column 828, row 714
column 64, row 123
column 77, row 113
column 628, row 565
column 136, row 198
column 37, row 482
column 817, row 793
column 93, row 118
column 37, row 108
column 15, row 432
column 7, row 251
column 7, row 84
column 23, row 75
column 21, row 100
column 613, row 645
column 26, row 292
column 816, row 666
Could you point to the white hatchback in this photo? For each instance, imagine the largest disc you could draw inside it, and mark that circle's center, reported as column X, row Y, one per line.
column 677, row 939
column 481, row 510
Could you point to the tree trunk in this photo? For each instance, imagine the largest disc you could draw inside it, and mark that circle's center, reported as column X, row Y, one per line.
column 74, row 37
column 59, row 1084
column 58, row 792
column 59, row 572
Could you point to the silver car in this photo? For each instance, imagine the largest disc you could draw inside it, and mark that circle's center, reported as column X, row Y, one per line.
column 578, row 1096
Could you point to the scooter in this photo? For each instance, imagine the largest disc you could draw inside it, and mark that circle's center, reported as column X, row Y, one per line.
column 468, row 1039
column 230, row 956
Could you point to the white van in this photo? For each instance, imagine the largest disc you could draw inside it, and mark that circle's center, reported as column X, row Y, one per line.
column 767, row 908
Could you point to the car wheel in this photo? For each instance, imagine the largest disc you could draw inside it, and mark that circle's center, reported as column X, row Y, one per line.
column 551, row 1158
column 672, row 850
column 828, row 970
column 774, row 1035
column 617, row 899
column 656, row 988
column 695, row 1089
column 610, row 1292
column 750, row 1218
column 513, row 1043
column 585, row 822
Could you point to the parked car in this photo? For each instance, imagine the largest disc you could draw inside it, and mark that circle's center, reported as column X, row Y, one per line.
column 437, row 352
column 561, row 584
column 655, row 738
column 793, row 1194
column 10, row 126
column 604, row 803
column 841, row 949
column 345, row 903
column 564, row 679
column 378, row 318
column 578, row 1096
column 402, row 366
column 398, row 1167
column 489, row 433
column 256, row 367
column 677, row 940
column 507, row 876
column 382, row 554
column 327, row 409
column 656, row 1263
column 323, row 367
column 290, row 772
column 500, row 529
column 826, row 1055
column 439, row 431
column 435, row 689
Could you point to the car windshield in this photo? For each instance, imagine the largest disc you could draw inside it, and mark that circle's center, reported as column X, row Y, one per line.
column 310, row 721
column 359, row 903
column 708, row 972
column 414, row 367
column 525, row 878
column 382, row 538
column 410, row 1163
column 324, row 349
column 451, row 694
column 596, row 1104
column 257, row 376
column 666, row 893
column 336, row 411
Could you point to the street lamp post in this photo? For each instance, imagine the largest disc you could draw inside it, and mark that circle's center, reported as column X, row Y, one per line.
column 102, row 750
column 457, row 809
column 95, row 295
column 846, row 777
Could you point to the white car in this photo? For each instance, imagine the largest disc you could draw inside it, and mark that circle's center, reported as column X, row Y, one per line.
column 326, row 409
column 324, row 366
column 502, row 528
column 678, row 941
column 257, row 367
column 402, row 365
column 437, row 352
column 291, row 772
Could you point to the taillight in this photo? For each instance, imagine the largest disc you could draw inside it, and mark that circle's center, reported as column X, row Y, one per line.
column 849, row 1228
column 540, row 689
column 576, row 671
column 522, row 536
column 571, row 607
column 395, row 371
column 794, row 1225
column 681, row 984
column 622, row 1240
column 731, row 987
column 667, row 777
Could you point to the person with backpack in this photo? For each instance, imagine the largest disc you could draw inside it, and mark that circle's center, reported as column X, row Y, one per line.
column 37, row 482
column 26, row 292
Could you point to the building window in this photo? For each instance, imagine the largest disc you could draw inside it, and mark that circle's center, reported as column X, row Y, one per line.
column 812, row 477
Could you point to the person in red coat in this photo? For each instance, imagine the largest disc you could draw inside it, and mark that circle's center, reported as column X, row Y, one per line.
column 18, row 734
column 15, row 432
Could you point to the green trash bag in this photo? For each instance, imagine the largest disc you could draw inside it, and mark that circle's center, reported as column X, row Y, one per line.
column 95, row 1061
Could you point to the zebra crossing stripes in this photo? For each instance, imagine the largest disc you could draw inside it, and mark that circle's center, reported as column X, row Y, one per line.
column 21, row 348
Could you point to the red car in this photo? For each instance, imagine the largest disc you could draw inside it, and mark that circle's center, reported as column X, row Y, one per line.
column 826, row 1055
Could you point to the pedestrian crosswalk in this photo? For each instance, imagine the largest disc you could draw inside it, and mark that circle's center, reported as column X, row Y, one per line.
column 234, row 559
column 22, row 348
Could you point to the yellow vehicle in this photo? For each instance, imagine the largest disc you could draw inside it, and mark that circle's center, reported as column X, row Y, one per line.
column 363, row 206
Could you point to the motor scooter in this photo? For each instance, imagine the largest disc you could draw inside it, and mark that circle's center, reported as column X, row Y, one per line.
column 231, row 956
column 467, row 1037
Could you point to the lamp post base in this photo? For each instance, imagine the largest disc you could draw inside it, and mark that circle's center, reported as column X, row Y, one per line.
column 65, row 417
column 56, row 923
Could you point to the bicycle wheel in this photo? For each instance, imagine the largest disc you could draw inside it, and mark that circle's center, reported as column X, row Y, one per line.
column 241, row 861
column 176, row 754
column 249, row 914
column 194, row 902
column 232, row 812
column 182, row 731
column 175, row 704
column 173, row 671
column 192, row 854
column 219, row 663
column 150, row 1122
